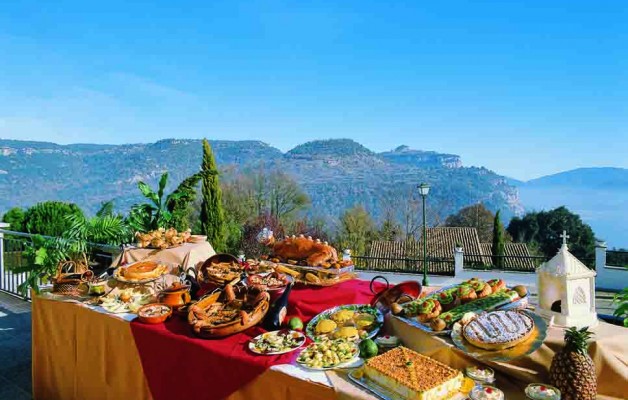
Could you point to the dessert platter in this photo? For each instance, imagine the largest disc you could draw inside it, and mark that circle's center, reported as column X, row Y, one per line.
column 228, row 311
column 501, row 335
column 140, row 272
column 161, row 238
column 405, row 374
column 352, row 322
column 437, row 312
column 328, row 354
column 277, row 342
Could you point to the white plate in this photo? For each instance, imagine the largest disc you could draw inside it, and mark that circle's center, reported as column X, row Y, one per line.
column 300, row 335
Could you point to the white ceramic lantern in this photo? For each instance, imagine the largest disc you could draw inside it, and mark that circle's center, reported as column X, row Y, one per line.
column 566, row 290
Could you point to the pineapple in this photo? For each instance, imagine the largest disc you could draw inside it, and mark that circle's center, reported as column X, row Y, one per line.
column 572, row 370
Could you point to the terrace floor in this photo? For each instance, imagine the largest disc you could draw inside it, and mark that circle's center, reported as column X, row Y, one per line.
column 15, row 341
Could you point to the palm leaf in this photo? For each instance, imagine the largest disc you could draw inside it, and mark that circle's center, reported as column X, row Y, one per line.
column 162, row 186
column 148, row 193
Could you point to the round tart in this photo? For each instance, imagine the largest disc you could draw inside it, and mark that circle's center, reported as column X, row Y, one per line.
column 142, row 270
column 498, row 330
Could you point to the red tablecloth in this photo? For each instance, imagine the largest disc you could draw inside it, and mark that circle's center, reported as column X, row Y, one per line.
column 178, row 365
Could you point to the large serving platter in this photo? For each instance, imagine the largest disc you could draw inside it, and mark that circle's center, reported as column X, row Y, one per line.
column 358, row 308
column 529, row 346
column 361, row 380
column 518, row 304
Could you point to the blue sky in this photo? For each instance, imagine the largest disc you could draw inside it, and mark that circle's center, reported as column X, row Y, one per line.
column 525, row 89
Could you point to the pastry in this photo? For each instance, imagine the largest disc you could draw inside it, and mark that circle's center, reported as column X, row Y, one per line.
column 413, row 376
column 482, row 289
column 347, row 332
column 497, row 330
column 466, row 294
column 429, row 310
column 497, row 285
column 325, row 326
column 141, row 270
column 438, row 324
column 521, row 290
column 342, row 317
column 448, row 299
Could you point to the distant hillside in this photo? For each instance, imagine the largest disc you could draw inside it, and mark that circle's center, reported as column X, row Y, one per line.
column 599, row 195
column 336, row 174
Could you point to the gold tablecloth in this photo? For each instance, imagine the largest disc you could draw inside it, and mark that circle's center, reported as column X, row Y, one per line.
column 80, row 354
column 188, row 255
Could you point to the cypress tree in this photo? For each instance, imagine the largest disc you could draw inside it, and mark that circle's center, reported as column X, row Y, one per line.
column 212, row 214
column 498, row 242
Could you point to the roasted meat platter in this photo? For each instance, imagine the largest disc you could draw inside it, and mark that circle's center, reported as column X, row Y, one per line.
column 228, row 311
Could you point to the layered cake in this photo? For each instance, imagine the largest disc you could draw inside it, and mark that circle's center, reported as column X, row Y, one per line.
column 413, row 376
column 497, row 330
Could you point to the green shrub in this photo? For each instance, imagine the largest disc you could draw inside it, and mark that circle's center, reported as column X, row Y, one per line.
column 50, row 218
column 15, row 218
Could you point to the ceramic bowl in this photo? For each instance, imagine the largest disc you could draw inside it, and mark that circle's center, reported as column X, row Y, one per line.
column 153, row 319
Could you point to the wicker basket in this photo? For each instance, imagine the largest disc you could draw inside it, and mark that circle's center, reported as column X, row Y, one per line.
column 70, row 275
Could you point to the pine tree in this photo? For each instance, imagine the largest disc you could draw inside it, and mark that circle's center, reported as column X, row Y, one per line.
column 498, row 242
column 212, row 214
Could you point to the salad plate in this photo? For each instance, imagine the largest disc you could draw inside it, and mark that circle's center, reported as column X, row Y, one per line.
column 329, row 354
column 277, row 342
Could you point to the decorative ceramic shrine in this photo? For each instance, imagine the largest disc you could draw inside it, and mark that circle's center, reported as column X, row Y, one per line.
column 567, row 290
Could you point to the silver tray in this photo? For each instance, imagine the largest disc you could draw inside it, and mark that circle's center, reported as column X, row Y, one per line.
column 519, row 304
column 379, row 318
column 381, row 392
column 528, row 347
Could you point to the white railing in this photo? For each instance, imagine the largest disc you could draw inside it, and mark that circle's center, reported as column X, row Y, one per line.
column 12, row 247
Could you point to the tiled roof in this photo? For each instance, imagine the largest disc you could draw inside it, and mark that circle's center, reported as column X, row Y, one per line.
column 391, row 255
column 394, row 255
column 442, row 240
column 517, row 255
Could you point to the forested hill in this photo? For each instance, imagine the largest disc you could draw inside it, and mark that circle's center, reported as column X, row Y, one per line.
column 336, row 174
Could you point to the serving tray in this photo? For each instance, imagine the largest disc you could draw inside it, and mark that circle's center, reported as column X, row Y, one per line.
column 529, row 346
column 518, row 304
column 379, row 318
column 381, row 392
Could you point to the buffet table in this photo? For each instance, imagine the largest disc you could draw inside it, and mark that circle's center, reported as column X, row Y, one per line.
column 79, row 353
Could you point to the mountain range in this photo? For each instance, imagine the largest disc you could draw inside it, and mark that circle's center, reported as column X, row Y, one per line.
column 336, row 174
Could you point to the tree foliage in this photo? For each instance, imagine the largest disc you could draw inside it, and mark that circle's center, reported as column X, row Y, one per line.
column 475, row 216
column 49, row 218
column 15, row 218
column 357, row 229
column 163, row 211
column 212, row 213
column 499, row 243
column 545, row 227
